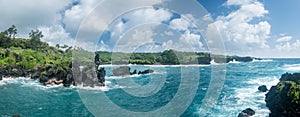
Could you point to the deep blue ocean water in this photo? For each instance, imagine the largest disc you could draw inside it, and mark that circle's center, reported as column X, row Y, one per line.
column 213, row 90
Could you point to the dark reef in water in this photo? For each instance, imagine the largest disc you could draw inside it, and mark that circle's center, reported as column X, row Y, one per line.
column 125, row 71
column 283, row 100
column 247, row 113
column 263, row 88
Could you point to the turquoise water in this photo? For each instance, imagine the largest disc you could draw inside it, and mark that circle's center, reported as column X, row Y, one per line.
column 170, row 90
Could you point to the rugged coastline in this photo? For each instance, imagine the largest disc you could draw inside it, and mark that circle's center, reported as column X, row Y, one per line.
column 62, row 64
column 283, row 100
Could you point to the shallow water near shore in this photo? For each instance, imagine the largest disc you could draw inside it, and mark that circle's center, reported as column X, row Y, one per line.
column 26, row 97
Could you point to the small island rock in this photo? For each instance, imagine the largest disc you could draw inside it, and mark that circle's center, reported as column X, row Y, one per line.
column 121, row 71
column 146, row 71
column 246, row 113
column 263, row 88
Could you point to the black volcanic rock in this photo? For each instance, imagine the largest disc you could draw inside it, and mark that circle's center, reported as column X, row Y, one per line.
column 283, row 99
column 247, row 113
column 121, row 71
column 204, row 60
column 146, row 71
column 61, row 75
column 263, row 88
column 43, row 79
column 36, row 75
column 68, row 81
column 0, row 77
column 290, row 77
column 134, row 72
column 243, row 59
column 101, row 75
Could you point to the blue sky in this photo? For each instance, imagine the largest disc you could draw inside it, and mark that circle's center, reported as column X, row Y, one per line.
column 261, row 28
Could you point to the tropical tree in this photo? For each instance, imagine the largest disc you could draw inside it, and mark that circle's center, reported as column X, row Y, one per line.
column 35, row 38
column 11, row 32
column 36, row 35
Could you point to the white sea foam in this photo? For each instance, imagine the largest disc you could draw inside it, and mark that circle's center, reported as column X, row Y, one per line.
column 268, row 81
column 159, row 66
column 96, row 88
column 107, row 87
column 212, row 62
column 27, row 82
column 247, row 96
column 234, row 61
column 122, row 77
column 291, row 67
column 181, row 65
column 250, row 96
column 263, row 60
column 21, row 80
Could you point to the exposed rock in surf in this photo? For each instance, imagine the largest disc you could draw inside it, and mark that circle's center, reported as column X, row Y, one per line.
column 0, row 77
column 69, row 81
column 121, row 71
column 43, row 79
column 247, row 113
column 263, row 88
column 101, row 76
column 146, row 71
column 283, row 99
column 125, row 71
column 53, row 81
column 134, row 72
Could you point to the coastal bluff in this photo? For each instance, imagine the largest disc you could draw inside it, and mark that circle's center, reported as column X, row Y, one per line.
column 283, row 100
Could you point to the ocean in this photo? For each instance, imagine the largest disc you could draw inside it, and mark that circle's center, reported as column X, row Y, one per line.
column 221, row 90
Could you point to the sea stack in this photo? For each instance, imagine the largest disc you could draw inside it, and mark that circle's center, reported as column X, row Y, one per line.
column 100, row 71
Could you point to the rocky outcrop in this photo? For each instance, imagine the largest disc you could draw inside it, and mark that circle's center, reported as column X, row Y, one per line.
column 43, row 79
column 134, row 72
column 204, row 60
column 36, row 75
column 125, row 71
column 247, row 113
column 14, row 71
column 263, row 88
column 284, row 98
column 121, row 71
column 148, row 71
column 0, row 77
column 243, row 59
column 101, row 76
column 69, row 80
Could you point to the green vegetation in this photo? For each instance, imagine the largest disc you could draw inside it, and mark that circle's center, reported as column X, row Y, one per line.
column 293, row 91
column 32, row 53
column 29, row 54
column 284, row 98
column 167, row 57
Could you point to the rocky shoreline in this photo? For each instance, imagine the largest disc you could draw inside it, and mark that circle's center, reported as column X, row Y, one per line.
column 283, row 100
column 52, row 75
column 48, row 75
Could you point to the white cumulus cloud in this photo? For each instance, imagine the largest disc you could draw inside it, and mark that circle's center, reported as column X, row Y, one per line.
column 237, row 30
column 284, row 39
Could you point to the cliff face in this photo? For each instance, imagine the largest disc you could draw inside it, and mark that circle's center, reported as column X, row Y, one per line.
column 284, row 98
